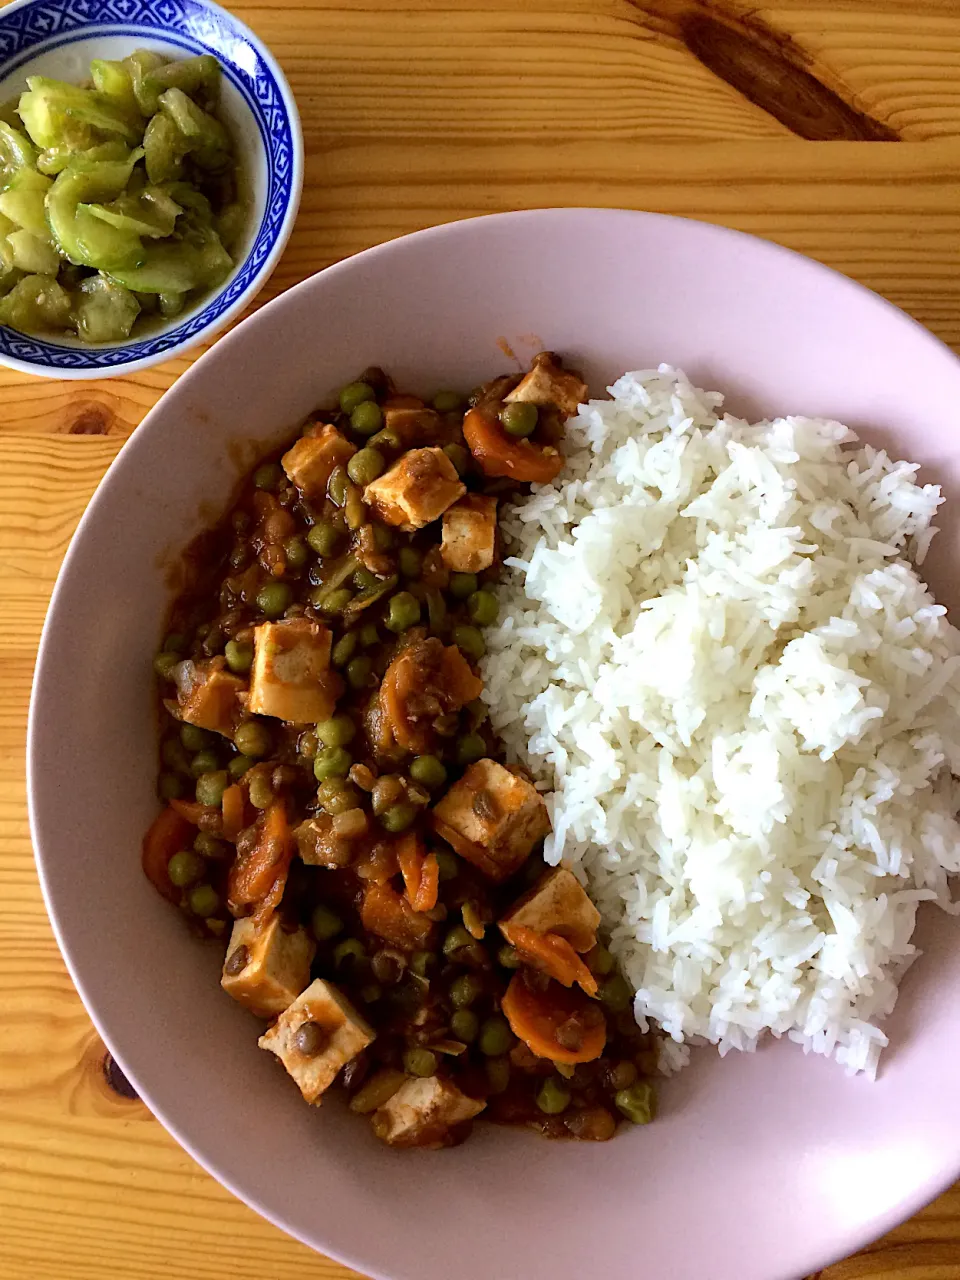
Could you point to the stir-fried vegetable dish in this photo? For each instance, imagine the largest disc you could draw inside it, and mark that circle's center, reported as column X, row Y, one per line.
column 338, row 811
column 119, row 200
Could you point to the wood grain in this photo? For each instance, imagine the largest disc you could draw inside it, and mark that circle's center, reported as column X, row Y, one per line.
column 417, row 112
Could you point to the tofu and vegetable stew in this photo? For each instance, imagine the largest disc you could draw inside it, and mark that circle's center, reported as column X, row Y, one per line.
column 338, row 810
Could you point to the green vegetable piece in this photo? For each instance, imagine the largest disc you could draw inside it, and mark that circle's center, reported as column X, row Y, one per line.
column 194, row 738
column 459, row 456
column 638, row 1103
column 31, row 253
column 104, row 311
column 498, row 1074
column 347, row 953
column 553, row 1097
column 16, row 149
column 470, row 642
column 185, row 868
column 198, row 76
column 165, row 267
column 359, row 671
column 464, row 990
column 238, row 766
column 496, row 1038
column 482, row 606
column 365, row 466
column 211, row 786
column 169, row 787
column 428, row 771
column 55, row 159
column 355, row 393
column 239, row 656
column 470, row 748
column 231, row 225
column 323, row 538
column 141, row 64
column 332, row 762
column 113, row 81
column 509, row 958
column 208, row 140
column 273, row 598
column 419, row 1062
column 462, row 585
column 164, row 148
column 519, row 419
column 38, row 304
column 448, row 401
column 252, row 738
column 204, row 900
column 404, row 612
column 337, row 731
column 269, row 476
column 171, row 304
column 465, row 1024
column 150, row 213
column 22, row 201
column 326, row 924
column 260, row 791
column 366, row 418
column 398, row 817
column 615, row 994
column 84, row 239
column 50, row 107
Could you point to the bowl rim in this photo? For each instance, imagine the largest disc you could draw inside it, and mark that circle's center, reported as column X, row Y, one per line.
column 84, row 26
column 357, row 1258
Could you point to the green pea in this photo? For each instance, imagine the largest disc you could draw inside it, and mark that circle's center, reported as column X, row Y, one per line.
column 419, row 1062
column 164, row 663
column 260, row 790
column 252, row 738
column 348, row 953
column 638, row 1103
column 371, row 992
column 465, row 1024
column 204, row 762
column 273, row 598
column 459, row 456
column 337, row 486
column 203, row 900
column 174, row 757
column 447, row 401
column 344, row 649
column 326, row 924
column 369, row 635
column 482, row 606
column 428, row 771
column 211, row 786
column 462, row 585
column 359, row 671
column 470, row 642
column 496, row 1038
column 383, row 537
column 367, row 418
column 336, row 732
column 365, row 465
column 364, row 580
column 519, row 419
column 509, row 958
column 404, row 612
column 615, row 994
column 176, row 642
column 209, row 846
column 333, row 762
column 398, row 817
column 332, row 602
column 337, row 796
column 422, row 963
column 239, row 656
column 456, row 940
column 194, row 738
column 295, row 551
column 388, row 438
column 471, row 747
column 355, row 393
column 600, row 961
column 269, row 476
column 447, row 862
column 498, row 1074
column 464, row 990
column 411, row 562
column 553, row 1096
column 184, row 869
column 169, row 787
column 323, row 538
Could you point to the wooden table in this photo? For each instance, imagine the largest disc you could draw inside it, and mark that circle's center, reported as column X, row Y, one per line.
column 418, row 112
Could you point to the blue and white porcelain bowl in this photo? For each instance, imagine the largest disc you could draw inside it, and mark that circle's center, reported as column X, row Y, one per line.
column 59, row 38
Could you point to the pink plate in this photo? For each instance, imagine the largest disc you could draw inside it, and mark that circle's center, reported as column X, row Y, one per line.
column 761, row 1167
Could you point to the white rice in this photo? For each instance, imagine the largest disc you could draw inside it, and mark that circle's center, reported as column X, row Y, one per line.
column 714, row 649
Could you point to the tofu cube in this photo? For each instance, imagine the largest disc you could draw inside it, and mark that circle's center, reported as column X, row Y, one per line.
column 418, row 426
column 492, row 818
column 291, row 677
column 342, row 1034
column 311, row 461
column 276, row 968
column 548, row 383
column 207, row 696
column 469, row 534
column 422, row 1112
column 417, row 489
column 557, row 903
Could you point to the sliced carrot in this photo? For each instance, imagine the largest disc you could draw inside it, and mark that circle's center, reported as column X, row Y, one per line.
column 410, row 855
column 169, row 833
column 192, row 810
column 551, row 954
column 429, row 890
column 232, row 811
column 387, row 914
column 501, row 455
column 547, row 1021
column 260, row 875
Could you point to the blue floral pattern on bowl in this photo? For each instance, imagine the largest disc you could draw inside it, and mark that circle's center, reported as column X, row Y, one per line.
column 196, row 27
